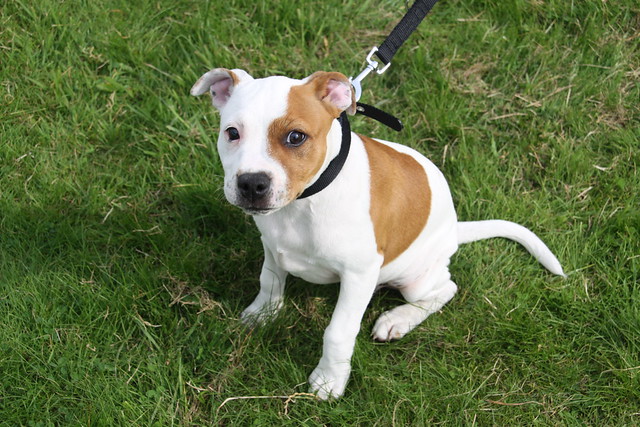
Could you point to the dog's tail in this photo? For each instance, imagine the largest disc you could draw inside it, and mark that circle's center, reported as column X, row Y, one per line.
column 470, row 231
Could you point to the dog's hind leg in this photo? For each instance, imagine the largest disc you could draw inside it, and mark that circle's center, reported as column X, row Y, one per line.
column 424, row 298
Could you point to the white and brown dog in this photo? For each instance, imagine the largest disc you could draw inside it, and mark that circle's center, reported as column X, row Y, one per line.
column 387, row 218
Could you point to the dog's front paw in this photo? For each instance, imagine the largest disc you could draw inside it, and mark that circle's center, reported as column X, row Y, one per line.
column 329, row 382
column 259, row 314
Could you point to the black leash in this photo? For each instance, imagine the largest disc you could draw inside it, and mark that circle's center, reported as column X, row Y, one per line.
column 379, row 115
column 385, row 53
column 403, row 30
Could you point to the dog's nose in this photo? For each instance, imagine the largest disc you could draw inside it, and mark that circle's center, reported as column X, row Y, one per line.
column 254, row 186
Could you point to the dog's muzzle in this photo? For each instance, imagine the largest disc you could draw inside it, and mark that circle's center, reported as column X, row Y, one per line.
column 254, row 190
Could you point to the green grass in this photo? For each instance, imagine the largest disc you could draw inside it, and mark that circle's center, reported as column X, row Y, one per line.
column 123, row 270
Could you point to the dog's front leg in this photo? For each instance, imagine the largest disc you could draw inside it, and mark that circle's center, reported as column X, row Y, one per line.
column 269, row 299
column 329, row 378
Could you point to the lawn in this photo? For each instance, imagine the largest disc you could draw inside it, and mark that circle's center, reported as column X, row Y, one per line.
column 123, row 270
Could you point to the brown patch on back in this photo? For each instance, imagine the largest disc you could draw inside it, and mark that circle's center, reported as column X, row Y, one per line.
column 400, row 198
column 307, row 112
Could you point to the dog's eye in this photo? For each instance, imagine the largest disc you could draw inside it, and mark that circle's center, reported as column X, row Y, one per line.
column 233, row 134
column 296, row 138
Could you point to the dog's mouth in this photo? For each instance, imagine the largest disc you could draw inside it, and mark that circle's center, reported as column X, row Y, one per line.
column 253, row 210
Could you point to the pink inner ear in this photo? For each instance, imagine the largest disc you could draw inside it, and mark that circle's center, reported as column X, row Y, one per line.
column 220, row 91
column 338, row 94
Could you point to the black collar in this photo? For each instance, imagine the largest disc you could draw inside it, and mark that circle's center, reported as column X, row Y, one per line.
column 335, row 166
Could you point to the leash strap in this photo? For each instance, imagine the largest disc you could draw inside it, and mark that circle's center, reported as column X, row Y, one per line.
column 379, row 115
column 392, row 43
column 335, row 165
column 403, row 30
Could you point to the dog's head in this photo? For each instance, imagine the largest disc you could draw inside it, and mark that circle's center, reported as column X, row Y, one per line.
column 276, row 134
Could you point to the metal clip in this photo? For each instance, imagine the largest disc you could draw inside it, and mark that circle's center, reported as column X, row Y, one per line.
column 371, row 66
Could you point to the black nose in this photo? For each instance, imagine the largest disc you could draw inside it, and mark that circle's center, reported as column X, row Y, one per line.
column 254, row 186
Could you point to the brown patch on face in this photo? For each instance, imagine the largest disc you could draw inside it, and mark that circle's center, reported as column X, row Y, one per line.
column 308, row 112
column 400, row 198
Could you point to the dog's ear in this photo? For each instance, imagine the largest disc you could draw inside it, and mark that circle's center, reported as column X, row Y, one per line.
column 219, row 82
column 335, row 91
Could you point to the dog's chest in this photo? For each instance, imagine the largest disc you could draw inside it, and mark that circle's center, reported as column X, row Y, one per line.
column 299, row 248
column 302, row 265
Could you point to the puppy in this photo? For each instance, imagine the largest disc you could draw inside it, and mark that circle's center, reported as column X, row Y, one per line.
column 334, row 206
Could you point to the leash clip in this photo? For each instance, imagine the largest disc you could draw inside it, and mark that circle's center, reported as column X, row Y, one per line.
column 371, row 66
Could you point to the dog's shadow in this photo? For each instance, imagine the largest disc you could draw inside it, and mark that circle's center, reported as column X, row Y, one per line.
column 229, row 266
column 232, row 277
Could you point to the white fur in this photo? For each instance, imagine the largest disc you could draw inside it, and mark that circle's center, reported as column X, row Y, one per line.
column 329, row 237
column 252, row 119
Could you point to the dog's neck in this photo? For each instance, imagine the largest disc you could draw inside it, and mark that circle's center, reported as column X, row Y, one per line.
column 333, row 168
